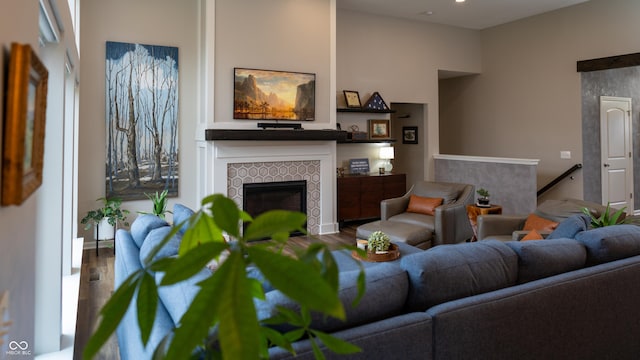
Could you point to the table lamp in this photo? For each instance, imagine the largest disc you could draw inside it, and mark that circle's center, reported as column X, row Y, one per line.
column 386, row 153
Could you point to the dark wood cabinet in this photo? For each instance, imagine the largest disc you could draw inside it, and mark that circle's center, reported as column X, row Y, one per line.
column 359, row 196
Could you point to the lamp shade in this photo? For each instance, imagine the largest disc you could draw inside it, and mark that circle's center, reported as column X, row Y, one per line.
column 386, row 153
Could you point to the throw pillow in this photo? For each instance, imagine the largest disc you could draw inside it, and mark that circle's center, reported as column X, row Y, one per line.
column 535, row 222
column 532, row 235
column 423, row 205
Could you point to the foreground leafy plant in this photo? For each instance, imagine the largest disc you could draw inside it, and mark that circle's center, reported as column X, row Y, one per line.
column 606, row 219
column 225, row 301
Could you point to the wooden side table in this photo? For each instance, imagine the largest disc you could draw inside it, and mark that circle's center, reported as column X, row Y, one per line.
column 474, row 210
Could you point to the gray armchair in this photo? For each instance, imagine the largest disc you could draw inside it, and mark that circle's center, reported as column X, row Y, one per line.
column 509, row 227
column 450, row 223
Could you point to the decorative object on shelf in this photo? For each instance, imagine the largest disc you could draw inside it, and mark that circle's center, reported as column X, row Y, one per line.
column 352, row 99
column 24, row 126
column 387, row 154
column 340, row 172
column 409, row 134
column 359, row 166
column 378, row 242
column 379, row 129
column 273, row 95
column 375, row 102
column 483, row 198
column 356, row 134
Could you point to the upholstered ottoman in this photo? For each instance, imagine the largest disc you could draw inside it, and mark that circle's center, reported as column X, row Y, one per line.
column 410, row 234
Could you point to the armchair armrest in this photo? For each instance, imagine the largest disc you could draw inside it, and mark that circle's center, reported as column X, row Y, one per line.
column 499, row 225
column 394, row 206
column 451, row 221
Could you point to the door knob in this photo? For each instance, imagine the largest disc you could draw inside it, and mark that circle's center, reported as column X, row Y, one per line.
column 606, row 165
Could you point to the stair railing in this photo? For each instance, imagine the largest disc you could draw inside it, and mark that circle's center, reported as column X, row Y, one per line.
column 561, row 177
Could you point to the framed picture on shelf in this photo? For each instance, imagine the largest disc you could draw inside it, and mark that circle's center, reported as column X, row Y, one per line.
column 409, row 134
column 352, row 98
column 379, row 129
column 26, row 106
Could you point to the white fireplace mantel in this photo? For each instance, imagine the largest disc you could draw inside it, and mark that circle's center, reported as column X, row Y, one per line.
column 215, row 158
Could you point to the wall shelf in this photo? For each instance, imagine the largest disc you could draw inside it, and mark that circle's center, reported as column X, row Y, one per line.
column 383, row 141
column 362, row 110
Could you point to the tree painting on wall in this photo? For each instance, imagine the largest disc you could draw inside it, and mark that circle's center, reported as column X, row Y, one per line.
column 141, row 120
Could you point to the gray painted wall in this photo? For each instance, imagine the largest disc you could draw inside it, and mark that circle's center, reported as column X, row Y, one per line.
column 623, row 82
column 513, row 186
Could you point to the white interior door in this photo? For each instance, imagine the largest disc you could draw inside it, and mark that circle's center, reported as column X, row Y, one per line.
column 617, row 160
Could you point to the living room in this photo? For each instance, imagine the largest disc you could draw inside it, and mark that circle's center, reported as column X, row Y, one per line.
column 524, row 100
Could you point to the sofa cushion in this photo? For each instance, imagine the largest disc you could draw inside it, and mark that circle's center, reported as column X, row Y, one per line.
column 385, row 295
column 535, row 222
column 540, row 259
column 423, row 205
column 610, row 243
column 449, row 272
column 181, row 213
column 532, row 235
column 142, row 225
column 570, row 227
column 154, row 238
column 177, row 298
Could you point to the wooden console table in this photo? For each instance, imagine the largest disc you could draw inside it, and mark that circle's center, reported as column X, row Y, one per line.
column 359, row 196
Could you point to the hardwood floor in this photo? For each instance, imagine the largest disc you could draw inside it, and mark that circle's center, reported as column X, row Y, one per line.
column 96, row 286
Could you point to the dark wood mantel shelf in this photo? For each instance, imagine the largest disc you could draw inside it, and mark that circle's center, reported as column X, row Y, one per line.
column 275, row 134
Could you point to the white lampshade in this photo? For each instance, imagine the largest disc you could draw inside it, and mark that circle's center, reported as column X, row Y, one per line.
column 386, row 153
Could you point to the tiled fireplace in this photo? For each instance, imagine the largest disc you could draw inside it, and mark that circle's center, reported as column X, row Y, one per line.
column 230, row 164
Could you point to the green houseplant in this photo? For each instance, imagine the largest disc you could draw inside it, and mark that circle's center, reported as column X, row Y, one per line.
column 160, row 202
column 225, row 301
column 606, row 218
column 106, row 217
column 483, row 197
column 378, row 241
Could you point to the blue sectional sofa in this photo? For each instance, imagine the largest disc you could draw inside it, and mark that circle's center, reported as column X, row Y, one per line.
column 573, row 296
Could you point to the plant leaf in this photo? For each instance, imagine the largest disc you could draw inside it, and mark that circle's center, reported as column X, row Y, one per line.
column 202, row 230
column 239, row 330
column 147, row 304
column 192, row 262
column 317, row 353
column 276, row 338
column 226, row 214
column 335, row 344
column 196, row 321
column 298, row 280
column 273, row 222
column 111, row 314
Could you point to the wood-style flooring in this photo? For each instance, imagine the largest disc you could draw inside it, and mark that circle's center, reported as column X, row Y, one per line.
column 96, row 286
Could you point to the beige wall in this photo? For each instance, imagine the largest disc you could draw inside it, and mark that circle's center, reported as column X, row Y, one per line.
column 154, row 22
column 272, row 35
column 18, row 223
column 526, row 103
column 401, row 59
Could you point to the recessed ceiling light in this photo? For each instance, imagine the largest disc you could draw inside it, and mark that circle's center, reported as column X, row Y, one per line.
column 460, row 1
column 427, row 13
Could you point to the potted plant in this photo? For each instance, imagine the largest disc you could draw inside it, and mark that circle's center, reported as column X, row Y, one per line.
column 105, row 218
column 378, row 241
column 160, row 202
column 483, row 197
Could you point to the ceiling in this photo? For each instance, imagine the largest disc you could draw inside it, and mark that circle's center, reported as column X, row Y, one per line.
column 472, row 14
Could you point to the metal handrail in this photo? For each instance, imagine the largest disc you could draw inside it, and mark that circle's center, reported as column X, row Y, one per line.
column 558, row 179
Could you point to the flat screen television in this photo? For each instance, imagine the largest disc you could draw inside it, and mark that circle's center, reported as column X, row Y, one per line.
column 273, row 95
